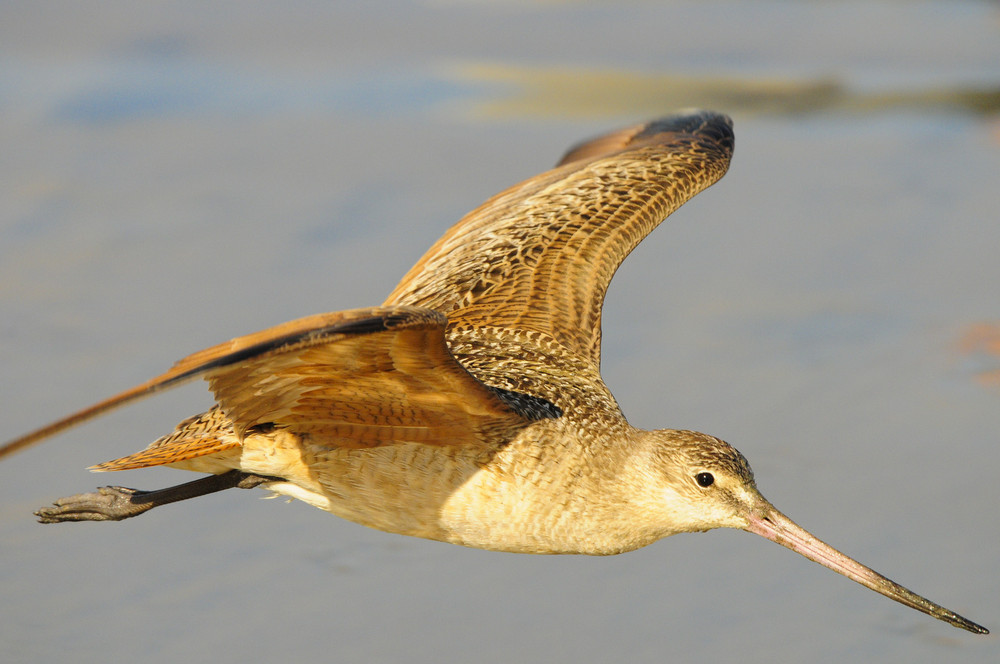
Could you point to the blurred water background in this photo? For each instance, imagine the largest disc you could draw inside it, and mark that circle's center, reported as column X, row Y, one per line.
column 173, row 174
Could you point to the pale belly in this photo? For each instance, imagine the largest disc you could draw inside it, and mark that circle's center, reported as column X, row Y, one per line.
column 506, row 502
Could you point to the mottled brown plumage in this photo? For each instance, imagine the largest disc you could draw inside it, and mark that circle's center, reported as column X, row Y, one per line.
column 469, row 407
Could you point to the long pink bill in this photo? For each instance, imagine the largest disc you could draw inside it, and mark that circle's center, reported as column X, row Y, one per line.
column 777, row 527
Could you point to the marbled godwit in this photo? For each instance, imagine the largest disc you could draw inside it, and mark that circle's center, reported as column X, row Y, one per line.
column 469, row 407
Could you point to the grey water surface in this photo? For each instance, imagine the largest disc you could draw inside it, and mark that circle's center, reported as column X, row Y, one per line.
column 176, row 174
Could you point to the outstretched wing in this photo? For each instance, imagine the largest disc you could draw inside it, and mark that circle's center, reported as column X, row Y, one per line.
column 375, row 377
column 540, row 255
column 358, row 378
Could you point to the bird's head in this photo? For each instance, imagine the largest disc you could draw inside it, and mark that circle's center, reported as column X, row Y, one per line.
column 695, row 482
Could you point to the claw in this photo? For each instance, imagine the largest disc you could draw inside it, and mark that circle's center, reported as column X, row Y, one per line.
column 108, row 503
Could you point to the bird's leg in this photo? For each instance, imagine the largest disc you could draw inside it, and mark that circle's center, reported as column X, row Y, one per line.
column 114, row 503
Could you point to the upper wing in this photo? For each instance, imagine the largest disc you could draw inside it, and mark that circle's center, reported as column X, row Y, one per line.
column 540, row 255
column 359, row 378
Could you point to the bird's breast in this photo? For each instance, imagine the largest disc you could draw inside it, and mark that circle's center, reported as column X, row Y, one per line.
column 542, row 492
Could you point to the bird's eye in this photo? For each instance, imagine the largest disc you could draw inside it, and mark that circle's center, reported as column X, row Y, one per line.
column 704, row 479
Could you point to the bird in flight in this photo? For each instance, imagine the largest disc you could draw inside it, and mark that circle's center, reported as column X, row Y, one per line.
column 469, row 407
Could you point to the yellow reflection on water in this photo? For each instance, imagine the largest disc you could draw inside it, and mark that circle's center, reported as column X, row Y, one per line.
column 584, row 93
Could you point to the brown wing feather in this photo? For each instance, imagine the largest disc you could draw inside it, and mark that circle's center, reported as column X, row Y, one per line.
column 364, row 376
column 602, row 146
column 208, row 433
column 539, row 256
column 362, row 390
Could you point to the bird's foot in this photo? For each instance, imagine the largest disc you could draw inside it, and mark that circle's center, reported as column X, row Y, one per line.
column 108, row 503
column 114, row 503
